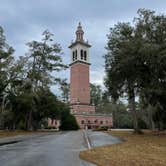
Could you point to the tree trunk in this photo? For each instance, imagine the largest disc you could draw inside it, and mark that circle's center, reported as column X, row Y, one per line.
column 150, row 114
column 132, row 107
column 29, row 121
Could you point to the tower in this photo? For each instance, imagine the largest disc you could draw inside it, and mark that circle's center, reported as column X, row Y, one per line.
column 80, row 104
column 79, row 74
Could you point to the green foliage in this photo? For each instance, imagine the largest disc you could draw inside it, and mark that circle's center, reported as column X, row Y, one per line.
column 51, row 127
column 68, row 121
column 95, row 94
column 142, row 124
column 65, row 89
column 135, row 62
column 25, row 96
column 44, row 57
column 121, row 117
column 6, row 59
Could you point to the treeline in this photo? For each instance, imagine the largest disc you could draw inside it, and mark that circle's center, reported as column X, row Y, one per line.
column 135, row 65
column 104, row 104
column 25, row 97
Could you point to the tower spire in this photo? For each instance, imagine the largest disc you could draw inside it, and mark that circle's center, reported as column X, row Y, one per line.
column 79, row 33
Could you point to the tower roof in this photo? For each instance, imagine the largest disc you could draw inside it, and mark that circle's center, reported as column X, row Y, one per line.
column 79, row 37
column 79, row 33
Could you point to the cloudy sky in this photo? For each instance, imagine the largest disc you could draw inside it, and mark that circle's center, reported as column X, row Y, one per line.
column 25, row 20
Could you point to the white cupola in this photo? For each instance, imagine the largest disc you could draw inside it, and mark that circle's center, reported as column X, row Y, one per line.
column 79, row 48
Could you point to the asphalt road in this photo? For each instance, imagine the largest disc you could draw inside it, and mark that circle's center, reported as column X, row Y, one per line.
column 58, row 149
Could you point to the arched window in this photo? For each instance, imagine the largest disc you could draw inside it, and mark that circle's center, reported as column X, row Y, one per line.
column 95, row 121
column 82, row 56
column 85, row 55
column 75, row 54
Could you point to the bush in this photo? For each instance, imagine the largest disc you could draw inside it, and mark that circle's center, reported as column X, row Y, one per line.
column 50, row 127
column 21, row 125
column 68, row 121
column 142, row 124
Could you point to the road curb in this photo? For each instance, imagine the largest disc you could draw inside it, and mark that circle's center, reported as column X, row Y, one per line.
column 87, row 139
column 9, row 142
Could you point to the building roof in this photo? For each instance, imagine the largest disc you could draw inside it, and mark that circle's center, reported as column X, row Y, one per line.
column 79, row 42
column 79, row 37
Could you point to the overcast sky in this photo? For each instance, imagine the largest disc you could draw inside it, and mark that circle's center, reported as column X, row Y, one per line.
column 25, row 20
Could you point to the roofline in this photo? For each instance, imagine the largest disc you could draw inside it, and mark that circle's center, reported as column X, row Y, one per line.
column 79, row 42
column 78, row 61
column 90, row 114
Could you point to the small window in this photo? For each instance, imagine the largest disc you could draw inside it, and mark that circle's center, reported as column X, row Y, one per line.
column 85, row 56
column 95, row 121
column 75, row 54
column 101, row 122
column 82, row 122
column 89, row 121
column 82, row 56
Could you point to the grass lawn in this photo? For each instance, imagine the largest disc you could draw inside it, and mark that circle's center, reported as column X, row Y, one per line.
column 138, row 150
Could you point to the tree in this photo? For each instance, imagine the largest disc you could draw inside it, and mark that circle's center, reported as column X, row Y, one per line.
column 44, row 57
column 135, row 61
column 65, row 89
column 5, row 63
column 25, row 86
column 121, row 65
column 68, row 121
column 151, row 29
column 95, row 94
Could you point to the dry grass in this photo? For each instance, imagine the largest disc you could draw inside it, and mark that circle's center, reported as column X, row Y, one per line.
column 6, row 133
column 138, row 150
column 14, row 133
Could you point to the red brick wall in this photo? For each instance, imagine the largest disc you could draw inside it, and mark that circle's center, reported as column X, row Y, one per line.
column 94, row 120
column 79, row 83
column 82, row 109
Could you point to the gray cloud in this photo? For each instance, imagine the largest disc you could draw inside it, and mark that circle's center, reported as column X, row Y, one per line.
column 24, row 21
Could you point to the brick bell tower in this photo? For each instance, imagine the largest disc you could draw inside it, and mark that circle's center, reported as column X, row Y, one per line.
column 79, row 75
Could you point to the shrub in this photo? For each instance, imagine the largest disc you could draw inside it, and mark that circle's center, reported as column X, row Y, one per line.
column 68, row 121
column 50, row 127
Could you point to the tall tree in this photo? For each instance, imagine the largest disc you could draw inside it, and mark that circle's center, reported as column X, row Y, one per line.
column 121, row 65
column 65, row 89
column 135, row 61
column 96, row 95
column 6, row 59
column 44, row 57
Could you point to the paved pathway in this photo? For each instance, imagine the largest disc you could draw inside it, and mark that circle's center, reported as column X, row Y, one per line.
column 100, row 138
column 59, row 149
column 54, row 149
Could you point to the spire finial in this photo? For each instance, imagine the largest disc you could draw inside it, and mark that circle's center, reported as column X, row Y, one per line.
column 79, row 33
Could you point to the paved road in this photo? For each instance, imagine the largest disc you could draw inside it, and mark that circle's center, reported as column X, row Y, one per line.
column 101, row 139
column 58, row 149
